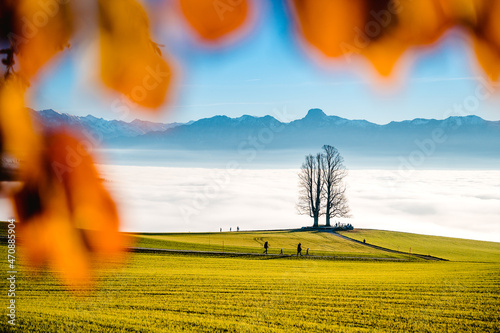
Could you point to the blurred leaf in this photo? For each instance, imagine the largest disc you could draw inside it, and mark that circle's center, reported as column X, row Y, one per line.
column 19, row 137
column 214, row 19
column 380, row 30
column 413, row 23
column 67, row 217
column 43, row 29
column 130, row 62
column 93, row 212
column 487, row 38
column 329, row 25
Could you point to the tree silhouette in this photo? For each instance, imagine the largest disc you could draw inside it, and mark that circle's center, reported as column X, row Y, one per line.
column 334, row 188
column 311, row 187
column 321, row 186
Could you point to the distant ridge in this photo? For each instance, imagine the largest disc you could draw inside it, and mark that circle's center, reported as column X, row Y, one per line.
column 105, row 129
column 454, row 139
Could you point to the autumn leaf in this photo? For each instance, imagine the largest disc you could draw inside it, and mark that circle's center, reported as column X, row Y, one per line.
column 486, row 34
column 67, row 217
column 19, row 137
column 329, row 25
column 130, row 61
column 43, row 29
column 215, row 19
column 379, row 30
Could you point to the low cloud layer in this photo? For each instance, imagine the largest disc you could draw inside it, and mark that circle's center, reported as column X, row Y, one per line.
column 462, row 204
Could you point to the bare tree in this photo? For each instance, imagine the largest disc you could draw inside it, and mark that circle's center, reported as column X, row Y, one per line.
column 311, row 187
column 333, row 185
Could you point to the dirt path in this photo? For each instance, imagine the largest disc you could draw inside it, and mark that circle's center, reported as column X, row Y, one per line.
column 422, row 256
column 269, row 256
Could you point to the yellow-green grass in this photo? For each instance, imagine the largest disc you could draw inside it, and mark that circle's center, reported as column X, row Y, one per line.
column 319, row 243
column 182, row 293
column 455, row 249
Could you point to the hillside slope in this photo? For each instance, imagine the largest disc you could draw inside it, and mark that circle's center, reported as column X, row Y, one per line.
column 319, row 243
column 324, row 243
column 454, row 249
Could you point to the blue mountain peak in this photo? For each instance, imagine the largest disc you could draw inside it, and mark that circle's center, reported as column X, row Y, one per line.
column 316, row 113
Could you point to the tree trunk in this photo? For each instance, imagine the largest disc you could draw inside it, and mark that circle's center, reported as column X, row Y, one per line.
column 315, row 225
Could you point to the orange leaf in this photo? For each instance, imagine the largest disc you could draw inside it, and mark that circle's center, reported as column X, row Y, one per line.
column 130, row 63
column 487, row 38
column 67, row 218
column 19, row 136
column 214, row 19
column 93, row 212
column 46, row 231
column 379, row 30
column 330, row 25
column 43, row 29
column 393, row 30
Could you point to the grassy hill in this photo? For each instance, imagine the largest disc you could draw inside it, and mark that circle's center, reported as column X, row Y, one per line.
column 327, row 244
column 454, row 249
column 319, row 243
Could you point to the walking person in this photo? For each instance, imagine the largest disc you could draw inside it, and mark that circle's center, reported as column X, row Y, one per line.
column 299, row 249
column 266, row 246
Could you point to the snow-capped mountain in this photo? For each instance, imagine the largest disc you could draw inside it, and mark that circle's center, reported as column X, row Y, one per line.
column 453, row 140
column 106, row 129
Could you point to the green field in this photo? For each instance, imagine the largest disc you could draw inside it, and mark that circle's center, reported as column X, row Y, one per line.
column 164, row 292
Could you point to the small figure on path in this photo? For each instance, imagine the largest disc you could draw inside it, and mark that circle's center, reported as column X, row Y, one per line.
column 299, row 249
column 281, row 251
column 237, row 228
column 364, row 241
column 220, row 229
column 307, row 252
column 230, row 229
column 266, row 246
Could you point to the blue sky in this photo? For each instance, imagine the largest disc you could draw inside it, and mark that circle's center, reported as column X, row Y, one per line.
column 267, row 71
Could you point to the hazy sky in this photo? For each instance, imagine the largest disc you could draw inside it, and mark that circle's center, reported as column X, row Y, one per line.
column 269, row 70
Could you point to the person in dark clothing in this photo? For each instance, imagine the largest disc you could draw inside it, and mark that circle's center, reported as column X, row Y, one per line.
column 299, row 249
column 266, row 246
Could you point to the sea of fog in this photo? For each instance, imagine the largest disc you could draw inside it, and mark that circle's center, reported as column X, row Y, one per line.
column 453, row 203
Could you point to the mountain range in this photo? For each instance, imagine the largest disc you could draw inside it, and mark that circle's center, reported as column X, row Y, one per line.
column 468, row 139
column 99, row 127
